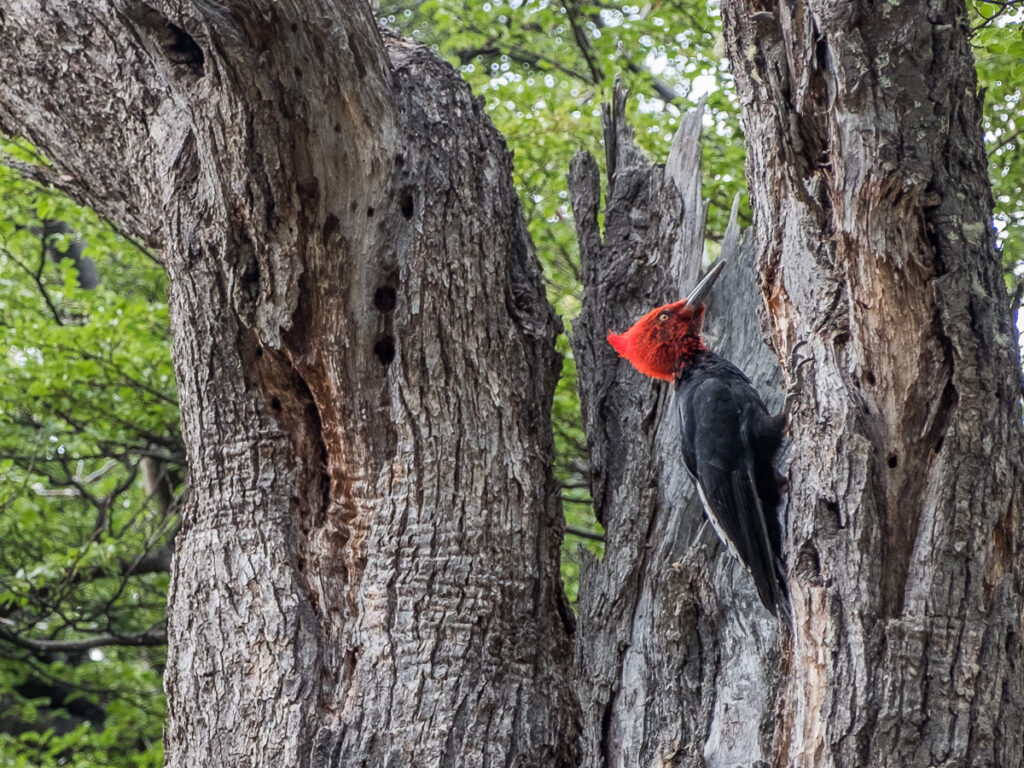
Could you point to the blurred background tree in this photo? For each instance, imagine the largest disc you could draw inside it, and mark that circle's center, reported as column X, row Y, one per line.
column 91, row 463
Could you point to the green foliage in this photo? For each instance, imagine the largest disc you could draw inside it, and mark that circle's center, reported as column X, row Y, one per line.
column 86, row 394
column 999, row 50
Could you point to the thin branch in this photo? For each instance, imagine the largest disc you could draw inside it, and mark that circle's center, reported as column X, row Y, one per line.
column 104, row 362
column 1005, row 6
column 41, row 174
column 154, row 636
column 517, row 53
column 583, row 42
column 583, row 533
column 666, row 92
column 37, row 279
column 142, row 247
column 1006, row 140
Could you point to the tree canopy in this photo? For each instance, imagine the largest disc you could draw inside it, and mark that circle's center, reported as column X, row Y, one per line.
column 91, row 460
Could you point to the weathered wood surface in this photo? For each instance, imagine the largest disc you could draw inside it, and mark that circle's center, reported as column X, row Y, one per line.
column 676, row 659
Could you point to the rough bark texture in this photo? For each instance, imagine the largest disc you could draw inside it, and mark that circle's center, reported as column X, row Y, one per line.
column 367, row 570
column 676, row 659
column 873, row 209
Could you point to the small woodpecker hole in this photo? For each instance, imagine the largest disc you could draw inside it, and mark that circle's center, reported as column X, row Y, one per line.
column 384, row 349
column 385, row 298
column 275, row 404
column 892, row 461
column 182, row 49
column 406, row 205
column 369, row 212
column 808, row 562
column 870, row 378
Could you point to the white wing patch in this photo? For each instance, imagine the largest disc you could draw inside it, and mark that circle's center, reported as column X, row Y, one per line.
column 715, row 524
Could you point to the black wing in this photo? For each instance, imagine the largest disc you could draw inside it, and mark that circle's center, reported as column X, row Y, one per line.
column 729, row 442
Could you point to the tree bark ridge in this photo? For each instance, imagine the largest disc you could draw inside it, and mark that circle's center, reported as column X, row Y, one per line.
column 872, row 206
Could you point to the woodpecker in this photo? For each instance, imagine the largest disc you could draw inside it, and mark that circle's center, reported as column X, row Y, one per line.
column 729, row 439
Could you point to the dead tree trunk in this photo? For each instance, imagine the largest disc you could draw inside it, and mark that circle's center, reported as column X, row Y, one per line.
column 873, row 213
column 676, row 659
column 367, row 569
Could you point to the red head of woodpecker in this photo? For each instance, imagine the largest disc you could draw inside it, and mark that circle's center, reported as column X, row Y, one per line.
column 661, row 342
column 728, row 439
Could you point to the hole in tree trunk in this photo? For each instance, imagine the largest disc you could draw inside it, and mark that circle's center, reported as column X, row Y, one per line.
column 892, row 461
column 251, row 279
column 384, row 349
column 808, row 562
column 330, row 227
column 407, row 204
column 182, row 49
column 385, row 298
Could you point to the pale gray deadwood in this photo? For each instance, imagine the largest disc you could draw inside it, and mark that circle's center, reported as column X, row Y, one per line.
column 676, row 659
column 873, row 214
column 367, row 569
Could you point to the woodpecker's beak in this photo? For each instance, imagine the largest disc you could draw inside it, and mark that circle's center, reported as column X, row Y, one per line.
column 699, row 295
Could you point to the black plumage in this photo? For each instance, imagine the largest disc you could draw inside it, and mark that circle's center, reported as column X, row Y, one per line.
column 729, row 444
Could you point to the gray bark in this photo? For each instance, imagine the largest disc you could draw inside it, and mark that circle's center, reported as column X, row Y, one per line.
column 676, row 659
column 367, row 568
column 875, row 252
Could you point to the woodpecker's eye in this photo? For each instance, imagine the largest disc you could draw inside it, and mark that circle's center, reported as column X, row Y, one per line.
column 663, row 317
